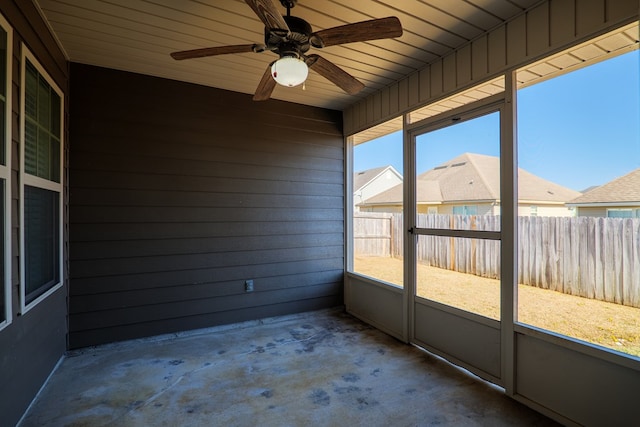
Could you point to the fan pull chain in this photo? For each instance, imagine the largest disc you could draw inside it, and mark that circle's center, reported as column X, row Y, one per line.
column 304, row 85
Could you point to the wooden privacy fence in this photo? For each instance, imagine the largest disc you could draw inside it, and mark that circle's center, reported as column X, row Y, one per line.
column 377, row 234
column 472, row 256
column 590, row 257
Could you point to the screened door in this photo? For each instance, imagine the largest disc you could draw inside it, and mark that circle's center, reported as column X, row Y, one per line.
column 455, row 307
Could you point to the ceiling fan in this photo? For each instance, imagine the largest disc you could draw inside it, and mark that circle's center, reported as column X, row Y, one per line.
column 291, row 37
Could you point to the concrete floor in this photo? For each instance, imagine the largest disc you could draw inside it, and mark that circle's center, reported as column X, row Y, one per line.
column 322, row 368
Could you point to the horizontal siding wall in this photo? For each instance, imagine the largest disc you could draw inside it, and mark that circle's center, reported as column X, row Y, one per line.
column 180, row 193
column 547, row 28
column 34, row 342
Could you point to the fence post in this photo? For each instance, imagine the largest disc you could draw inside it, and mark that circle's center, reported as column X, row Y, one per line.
column 391, row 236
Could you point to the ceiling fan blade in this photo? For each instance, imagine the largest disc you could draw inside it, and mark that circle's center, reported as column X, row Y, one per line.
column 270, row 16
column 334, row 74
column 211, row 51
column 265, row 87
column 374, row 29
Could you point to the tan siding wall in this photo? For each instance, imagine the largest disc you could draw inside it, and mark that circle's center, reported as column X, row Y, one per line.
column 525, row 210
column 545, row 29
column 388, row 209
column 447, row 209
column 593, row 212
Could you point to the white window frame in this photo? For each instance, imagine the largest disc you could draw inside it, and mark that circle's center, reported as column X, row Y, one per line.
column 34, row 181
column 5, row 175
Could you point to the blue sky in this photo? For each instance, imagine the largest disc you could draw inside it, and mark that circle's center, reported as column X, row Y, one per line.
column 578, row 130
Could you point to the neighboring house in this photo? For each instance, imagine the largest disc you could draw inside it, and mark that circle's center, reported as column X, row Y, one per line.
column 374, row 181
column 470, row 184
column 619, row 198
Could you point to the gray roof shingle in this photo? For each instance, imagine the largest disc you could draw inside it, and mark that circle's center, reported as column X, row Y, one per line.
column 475, row 177
column 623, row 189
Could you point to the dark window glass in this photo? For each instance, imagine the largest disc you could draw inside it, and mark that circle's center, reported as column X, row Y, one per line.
column 42, row 241
column 3, row 162
column 2, row 254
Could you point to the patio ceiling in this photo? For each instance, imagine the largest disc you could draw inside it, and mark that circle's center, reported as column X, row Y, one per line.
column 138, row 35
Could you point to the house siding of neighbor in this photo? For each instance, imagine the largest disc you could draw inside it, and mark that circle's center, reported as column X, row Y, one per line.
column 470, row 207
column 470, row 184
column 374, row 181
column 617, row 198
column 542, row 209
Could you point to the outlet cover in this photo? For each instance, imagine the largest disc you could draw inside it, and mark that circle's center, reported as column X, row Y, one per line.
column 248, row 285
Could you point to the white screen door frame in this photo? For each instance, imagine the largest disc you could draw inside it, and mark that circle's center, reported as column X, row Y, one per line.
column 465, row 338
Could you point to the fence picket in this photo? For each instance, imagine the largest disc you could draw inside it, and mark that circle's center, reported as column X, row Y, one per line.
column 634, row 289
column 590, row 257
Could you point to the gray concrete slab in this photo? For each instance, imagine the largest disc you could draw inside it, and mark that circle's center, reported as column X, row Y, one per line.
column 322, row 368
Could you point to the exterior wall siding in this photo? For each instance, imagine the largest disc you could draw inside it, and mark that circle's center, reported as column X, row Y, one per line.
column 600, row 211
column 181, row 193
column 523, row 210
column 447, row 209
column 545, row 29
column 34, row 342
column 383, row 209
column 542, row 210
column 385, row 181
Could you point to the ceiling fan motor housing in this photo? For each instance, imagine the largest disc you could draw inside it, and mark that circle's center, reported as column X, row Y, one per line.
column 293, row 44
column 288, row 4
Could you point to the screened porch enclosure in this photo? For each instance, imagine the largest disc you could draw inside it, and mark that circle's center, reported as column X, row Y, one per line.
column 140, row 196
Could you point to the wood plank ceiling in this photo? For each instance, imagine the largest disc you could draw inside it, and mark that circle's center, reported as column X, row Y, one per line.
column 138, row 35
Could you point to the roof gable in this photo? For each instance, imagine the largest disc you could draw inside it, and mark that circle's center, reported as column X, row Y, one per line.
column 623, row 189
column 362, row 178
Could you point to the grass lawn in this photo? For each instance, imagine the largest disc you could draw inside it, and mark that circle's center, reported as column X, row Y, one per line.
column 607, row 324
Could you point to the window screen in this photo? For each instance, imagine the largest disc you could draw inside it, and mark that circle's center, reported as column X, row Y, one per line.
column 41, row 222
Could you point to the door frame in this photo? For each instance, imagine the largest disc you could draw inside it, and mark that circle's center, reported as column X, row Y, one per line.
column 495, row 367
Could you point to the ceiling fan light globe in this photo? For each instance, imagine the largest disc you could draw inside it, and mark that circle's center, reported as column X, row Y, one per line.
column 289, row 71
